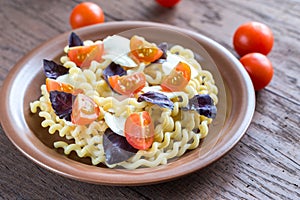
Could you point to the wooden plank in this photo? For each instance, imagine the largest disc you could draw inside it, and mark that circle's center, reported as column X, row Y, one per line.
column 266, row 162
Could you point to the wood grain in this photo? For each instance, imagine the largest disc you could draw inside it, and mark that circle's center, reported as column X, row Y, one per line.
column 266, row 162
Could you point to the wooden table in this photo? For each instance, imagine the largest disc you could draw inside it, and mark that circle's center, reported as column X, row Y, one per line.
column 265, row 164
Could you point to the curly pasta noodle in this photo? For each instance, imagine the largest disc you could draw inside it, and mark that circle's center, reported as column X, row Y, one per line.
column 174, row 129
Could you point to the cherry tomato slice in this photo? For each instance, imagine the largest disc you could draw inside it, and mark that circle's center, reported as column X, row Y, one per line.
column 86, row 13
column 53, row 85
column 139, row 130
column 82, row 56
column 253, row 37
column 127, row 85
column 259, row 68
column 167, row 3
column 144, row 51
column 84, row 110
column 178, row 79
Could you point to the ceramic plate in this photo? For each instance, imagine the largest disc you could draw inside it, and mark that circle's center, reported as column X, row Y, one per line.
column 22, row 86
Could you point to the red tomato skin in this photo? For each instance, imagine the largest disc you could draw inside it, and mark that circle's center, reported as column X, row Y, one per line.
column 139, row 46
column 185, row 69
column 139, row 134
column 253, row 37
column 86, row 13
column 53, row 85
column 86, row 113
column 167, row 3
column 259, row 68
column 95, row 52
column 135, row 54
column 116, row 82
column 182, row 72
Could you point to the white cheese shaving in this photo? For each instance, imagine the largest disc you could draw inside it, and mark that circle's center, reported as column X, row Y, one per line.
column 151, row 89
column 116, row 124
column 116, row 48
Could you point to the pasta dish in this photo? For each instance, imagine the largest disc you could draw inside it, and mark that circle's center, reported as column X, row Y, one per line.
column 126, row 103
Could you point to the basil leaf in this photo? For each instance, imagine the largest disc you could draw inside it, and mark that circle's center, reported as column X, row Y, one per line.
column 164, row 47
column 74, row 40
column 203, row 104
column 156, row 98
column 116, row 147
column 62, row 103
column 54, row 70
column 113, row 69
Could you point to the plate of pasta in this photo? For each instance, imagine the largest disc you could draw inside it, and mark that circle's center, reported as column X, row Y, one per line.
column 127, row 103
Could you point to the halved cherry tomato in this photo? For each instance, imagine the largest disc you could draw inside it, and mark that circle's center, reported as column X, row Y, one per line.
column 127, row 85
column 144, row 51
column 86, row 13
column 178, row 79
column 259, row 68
column 53, row 85
column 139, row 130
column 82, row 56
column 167, row 3
column 84, row 110
column 253, row 37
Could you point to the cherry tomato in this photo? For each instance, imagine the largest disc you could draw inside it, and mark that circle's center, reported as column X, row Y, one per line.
column 127, row 85
column 253, row 37
column 84, row 110
column 82, row 56
column 167, row 3
column 144, row 51
column 85, row 14
column 259, row 68
column 139, row 130
column 53, row 85
column 178, row 79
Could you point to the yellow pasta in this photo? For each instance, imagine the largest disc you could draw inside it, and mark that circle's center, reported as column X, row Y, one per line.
column 174, row 131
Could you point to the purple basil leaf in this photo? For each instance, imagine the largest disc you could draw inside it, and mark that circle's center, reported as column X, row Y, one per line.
column 62, row 104
column 164, row 47
column 156, row 98
column 203, row 104
column 113, row 69
column 74, row 40
column 116, row 147
column 53, row 70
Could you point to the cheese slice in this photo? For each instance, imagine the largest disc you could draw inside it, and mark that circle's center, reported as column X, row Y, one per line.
column 116, row 124
column 116, row 49
column 172, row 61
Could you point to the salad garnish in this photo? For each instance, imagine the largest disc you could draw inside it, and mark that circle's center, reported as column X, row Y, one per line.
column 62, row 104
column 156, row 98
column 53, row 70
column 116, row 147
column 203, row 104
column 74, row 40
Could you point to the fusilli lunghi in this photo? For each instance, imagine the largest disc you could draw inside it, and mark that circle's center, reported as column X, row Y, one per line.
column 176, row 130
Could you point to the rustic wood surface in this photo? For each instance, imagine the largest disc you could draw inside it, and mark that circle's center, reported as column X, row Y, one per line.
column 266, row 162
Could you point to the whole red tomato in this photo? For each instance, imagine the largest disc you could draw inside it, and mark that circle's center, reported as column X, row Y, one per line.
column 253, row 37
column 86, row 13
column 259, row 68
column 167, row 3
